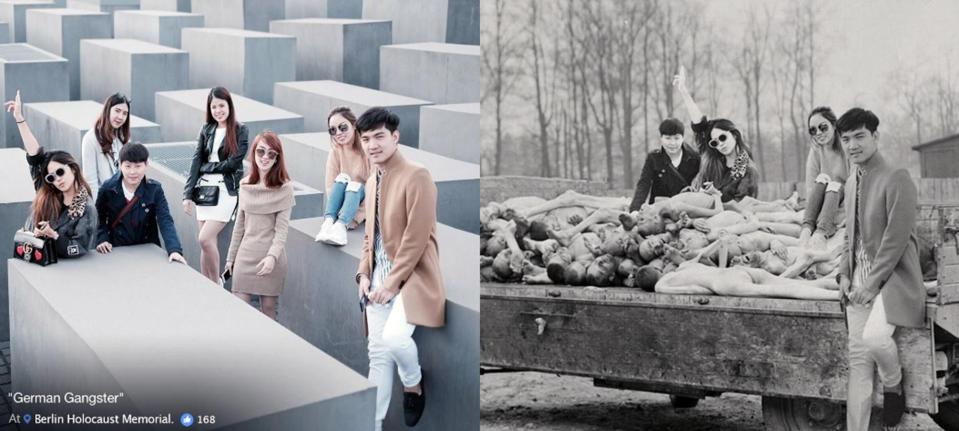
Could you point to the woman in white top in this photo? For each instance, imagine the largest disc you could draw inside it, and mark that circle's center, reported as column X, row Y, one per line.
column 101, row 144
column 218, row 161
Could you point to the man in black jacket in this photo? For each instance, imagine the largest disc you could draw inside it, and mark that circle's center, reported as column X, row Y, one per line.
column 668, row 169
column 133, row 209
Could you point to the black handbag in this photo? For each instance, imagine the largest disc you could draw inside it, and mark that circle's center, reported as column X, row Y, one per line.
column 41, row 251
column 206, row 196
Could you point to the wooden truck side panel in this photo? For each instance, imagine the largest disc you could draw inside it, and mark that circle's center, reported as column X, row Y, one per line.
column 773, row 347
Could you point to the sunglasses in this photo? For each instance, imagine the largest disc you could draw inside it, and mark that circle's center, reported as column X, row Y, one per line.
column 343, row 127
column 272, row 155
column 714, row 143
column 823, row 128
column 50, row 178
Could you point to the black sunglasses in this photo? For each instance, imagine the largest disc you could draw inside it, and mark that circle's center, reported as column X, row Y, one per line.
column 50, row 178
column 715, row 142
column 823, row 128
column 343, row 128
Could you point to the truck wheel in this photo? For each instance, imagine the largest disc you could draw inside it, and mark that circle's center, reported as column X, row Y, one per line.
column 948, row 416
column 788, row 414
column 681, row 402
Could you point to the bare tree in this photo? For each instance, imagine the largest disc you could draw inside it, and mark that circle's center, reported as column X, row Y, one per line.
column 542, row 75
column 750, row 64
column 499, row 50
column 598, row 43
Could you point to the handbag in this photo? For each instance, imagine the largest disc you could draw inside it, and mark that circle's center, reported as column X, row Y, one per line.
column 41, row 251
column 206, row 196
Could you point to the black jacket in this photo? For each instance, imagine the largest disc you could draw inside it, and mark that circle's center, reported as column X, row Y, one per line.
column 231, row 168
column 661, row 178
column 144, row 223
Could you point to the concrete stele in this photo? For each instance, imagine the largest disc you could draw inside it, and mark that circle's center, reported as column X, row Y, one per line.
column 182, row 114
column 16, row 196
column 457, row 182
column 246, row 62
column 346, row 50
column 139, row 69
column 61, row 125
column 450, row 21
column 59, row 31
column 320, row 304
column 39, row 75
column 315, row 99
column 240, row 14
column 451, row 130
column 121, row 327
column 14, row 13
column 454, row 71
column 154, row 26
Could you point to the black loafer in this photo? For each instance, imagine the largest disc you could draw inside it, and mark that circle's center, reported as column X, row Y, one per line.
column 893, row 406
column 413, row 405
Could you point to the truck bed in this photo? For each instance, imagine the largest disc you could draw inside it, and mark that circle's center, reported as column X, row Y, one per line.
column 689, row 343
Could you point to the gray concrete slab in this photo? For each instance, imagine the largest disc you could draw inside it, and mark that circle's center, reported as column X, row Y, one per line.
column 170, row 164
column 61, row 125
column 4, row 32
column 324, row 9
column 14, row 13
column 139, row 69
column 240, row 14
column 182, row 113
column 39, row 75
column 320, row 304
column 454, row 71
column 59, row 31
column 154, row 26
column 167, row 5
column 315, row 99
column 16, row 195
column 452, row 21
column 108, row 6
column 451, row 130
column 246, row 62
column 346, row 50
column 457, row 182
column 137, row 338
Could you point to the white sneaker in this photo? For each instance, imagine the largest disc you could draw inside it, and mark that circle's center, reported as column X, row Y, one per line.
column 324, row 230
column 336, row 234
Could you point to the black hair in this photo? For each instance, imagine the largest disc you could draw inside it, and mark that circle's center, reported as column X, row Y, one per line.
column 134, row 153
column 856, row 118
column 646, row 278
column 671, row 126
column 377, row 117
column 830, row 116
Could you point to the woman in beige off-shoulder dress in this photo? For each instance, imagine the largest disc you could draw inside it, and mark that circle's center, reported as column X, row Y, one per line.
column 257, row 257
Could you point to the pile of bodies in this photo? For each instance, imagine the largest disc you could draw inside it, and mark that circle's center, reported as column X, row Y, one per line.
column 578, row 239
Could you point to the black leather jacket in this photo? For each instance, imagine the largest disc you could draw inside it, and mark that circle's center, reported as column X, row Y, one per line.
column 231, row 168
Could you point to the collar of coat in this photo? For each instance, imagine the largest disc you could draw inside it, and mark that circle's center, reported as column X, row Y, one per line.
column 875, row 162
column 395, row 161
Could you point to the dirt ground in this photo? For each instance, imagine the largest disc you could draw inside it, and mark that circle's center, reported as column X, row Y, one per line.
column 538, row 401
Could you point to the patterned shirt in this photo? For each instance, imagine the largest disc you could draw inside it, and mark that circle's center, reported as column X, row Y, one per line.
column 862, row 264
column 381, row 262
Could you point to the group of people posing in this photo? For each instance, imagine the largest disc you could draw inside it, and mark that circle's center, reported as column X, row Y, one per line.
column 105, row 200
column 849, row 182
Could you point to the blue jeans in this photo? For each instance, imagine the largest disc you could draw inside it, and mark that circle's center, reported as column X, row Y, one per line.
column 344, row 200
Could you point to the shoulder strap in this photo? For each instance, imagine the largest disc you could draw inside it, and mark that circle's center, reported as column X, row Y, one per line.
column 124, row 212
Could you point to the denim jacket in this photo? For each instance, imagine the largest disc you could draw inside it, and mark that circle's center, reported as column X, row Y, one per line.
column 144, row 223
column 231, row 167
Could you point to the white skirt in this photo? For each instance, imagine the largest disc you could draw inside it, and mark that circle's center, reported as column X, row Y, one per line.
column 225, row 206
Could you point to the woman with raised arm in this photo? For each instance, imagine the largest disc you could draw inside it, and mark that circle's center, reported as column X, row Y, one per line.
column 726, row 161
column 62, row 209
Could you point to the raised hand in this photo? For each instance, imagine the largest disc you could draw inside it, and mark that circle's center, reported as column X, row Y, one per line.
column 679, row 80
column 15, row 106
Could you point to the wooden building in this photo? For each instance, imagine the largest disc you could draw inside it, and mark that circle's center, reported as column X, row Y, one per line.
column 939, row 158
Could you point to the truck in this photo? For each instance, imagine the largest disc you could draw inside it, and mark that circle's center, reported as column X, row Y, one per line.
column 792, row 353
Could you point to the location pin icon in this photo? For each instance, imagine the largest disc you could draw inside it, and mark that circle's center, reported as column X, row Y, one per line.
column 26, row 418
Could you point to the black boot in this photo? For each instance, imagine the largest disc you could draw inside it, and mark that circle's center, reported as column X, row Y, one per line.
column 893, row 405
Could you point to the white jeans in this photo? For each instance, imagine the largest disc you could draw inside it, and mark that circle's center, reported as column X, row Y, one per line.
column 390, row 342
column 870, row 346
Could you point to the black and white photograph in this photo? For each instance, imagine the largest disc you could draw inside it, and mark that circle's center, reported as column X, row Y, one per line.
column 719, row 215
